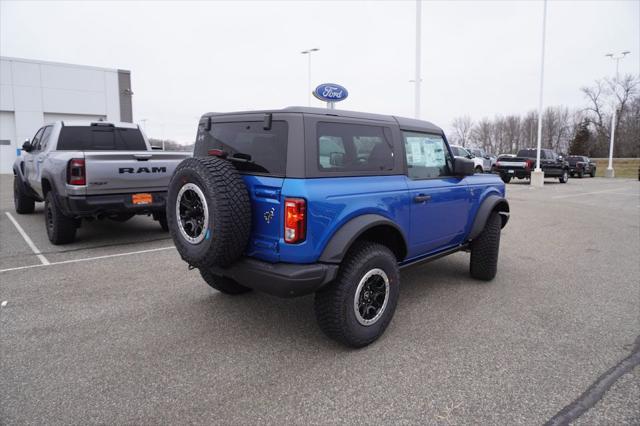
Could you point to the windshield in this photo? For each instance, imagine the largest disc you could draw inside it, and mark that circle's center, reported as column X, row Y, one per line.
column 248, row 145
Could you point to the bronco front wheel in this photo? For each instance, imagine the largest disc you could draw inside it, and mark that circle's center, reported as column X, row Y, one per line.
column 356, row 308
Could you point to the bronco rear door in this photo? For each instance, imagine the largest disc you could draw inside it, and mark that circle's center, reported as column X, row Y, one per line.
column 256, row 144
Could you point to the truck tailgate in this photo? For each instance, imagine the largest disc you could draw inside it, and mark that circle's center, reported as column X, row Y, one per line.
column 111, row 172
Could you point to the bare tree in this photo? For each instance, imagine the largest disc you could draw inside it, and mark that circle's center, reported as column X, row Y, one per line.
column 462, row 127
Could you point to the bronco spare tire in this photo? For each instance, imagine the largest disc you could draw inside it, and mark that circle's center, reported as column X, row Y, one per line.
column 208, row 212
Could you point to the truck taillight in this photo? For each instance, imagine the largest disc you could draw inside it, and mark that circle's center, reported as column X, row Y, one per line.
column 295, row 223
column 497, row 164
column 528, row 164
column 76, row 172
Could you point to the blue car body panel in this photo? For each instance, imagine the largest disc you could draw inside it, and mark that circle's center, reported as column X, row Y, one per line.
column 442, row 222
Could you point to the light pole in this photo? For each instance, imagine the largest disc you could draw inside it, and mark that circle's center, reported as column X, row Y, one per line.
column 417, row 80
column 616, row 57
column 537, row 176
column 308, row 53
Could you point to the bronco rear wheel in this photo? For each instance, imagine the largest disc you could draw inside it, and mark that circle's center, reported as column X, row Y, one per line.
column 208, row 212
column 356, row 308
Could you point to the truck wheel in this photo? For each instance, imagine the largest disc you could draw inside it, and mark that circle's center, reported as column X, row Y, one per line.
column 565, row 177
column 505, row 179
column 593, row 172
column 478, row 169
column 222, row 284
column 580, row 174
column 22, row 202
column 208, row 212
column 161, row 217
column 484, row 250
column 61, row 229
column 358, row 305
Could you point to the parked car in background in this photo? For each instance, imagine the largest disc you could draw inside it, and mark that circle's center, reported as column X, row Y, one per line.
column 521, row 166
column 90, row 171
column 579, row 165
column 308, row 200
column 478, row 163
column 480, row 153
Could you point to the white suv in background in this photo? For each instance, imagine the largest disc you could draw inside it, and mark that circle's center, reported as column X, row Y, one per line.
column 478, row 163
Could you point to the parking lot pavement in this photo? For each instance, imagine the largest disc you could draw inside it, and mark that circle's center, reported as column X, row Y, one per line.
column 140, row 339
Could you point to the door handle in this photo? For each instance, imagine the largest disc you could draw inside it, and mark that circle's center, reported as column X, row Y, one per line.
column 421, row 198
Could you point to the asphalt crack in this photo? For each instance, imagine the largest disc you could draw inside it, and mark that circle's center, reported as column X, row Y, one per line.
column 598, row 389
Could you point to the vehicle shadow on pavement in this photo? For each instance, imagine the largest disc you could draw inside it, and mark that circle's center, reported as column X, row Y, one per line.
column 291, row 323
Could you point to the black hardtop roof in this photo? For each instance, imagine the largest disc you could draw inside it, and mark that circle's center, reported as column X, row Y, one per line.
column 403, row 122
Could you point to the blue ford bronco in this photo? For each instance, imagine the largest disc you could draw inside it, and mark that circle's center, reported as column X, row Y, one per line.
column 307, row 200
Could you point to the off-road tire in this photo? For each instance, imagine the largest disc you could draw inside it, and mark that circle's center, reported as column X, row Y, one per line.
column 580, row 175
column 593, row 172
column 222, row 284
column 565, row 177
column 23, row 203
column 571, row 174
column 484, row 250
column 61, row 229
column 505, row 179
column 334, row 303
column 229, row 206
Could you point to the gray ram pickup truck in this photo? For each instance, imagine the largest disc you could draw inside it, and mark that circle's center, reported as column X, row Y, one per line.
column 91, row 171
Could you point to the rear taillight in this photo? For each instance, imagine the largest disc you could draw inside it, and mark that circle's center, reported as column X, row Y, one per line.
column 76, row 172
column 497, row 164
column 528, row 164
column 295, row 223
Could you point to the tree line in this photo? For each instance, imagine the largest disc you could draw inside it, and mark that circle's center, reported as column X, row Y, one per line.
column 583, row 131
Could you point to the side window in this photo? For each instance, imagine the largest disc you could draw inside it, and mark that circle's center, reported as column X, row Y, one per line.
column 344, row 147
column 427, row 155
column 36, row 139
column 44, row 140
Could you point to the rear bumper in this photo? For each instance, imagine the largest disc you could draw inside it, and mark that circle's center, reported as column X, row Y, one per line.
column 279, row 279
column 519, row 173
column 97, row 205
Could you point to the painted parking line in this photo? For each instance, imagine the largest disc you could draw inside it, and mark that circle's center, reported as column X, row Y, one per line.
column 86, row 259
column 612, row 190
column 30, row 243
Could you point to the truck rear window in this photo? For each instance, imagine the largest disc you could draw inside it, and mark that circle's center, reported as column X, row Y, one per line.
column 248, row 145
column 100, row 138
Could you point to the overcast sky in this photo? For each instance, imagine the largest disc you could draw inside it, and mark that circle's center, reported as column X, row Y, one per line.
column 480, row 58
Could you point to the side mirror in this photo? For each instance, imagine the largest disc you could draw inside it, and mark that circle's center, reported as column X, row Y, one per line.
column 470, row 156
column 560, row 158
column 463, row 167
column 26, row 146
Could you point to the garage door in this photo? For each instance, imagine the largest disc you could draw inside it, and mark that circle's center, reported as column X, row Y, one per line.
column 7, row 141
column 49, row 117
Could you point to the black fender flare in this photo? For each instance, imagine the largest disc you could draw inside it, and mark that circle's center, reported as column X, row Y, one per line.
column 24, row 185
column 343, row 238
column 491, row 203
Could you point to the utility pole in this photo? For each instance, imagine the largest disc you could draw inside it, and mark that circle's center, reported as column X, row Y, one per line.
column 418, row 78
column 616, row 57
column 308, row 53
column 537, row 176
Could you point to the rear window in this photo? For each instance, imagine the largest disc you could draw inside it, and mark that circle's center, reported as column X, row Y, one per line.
column 530, row 153
column 100, row 138
column 248, row 145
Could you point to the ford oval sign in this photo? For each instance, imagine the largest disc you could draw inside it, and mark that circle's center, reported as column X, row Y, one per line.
column 330, row 92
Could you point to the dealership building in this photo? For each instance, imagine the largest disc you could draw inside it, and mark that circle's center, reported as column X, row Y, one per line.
column 33, row 93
